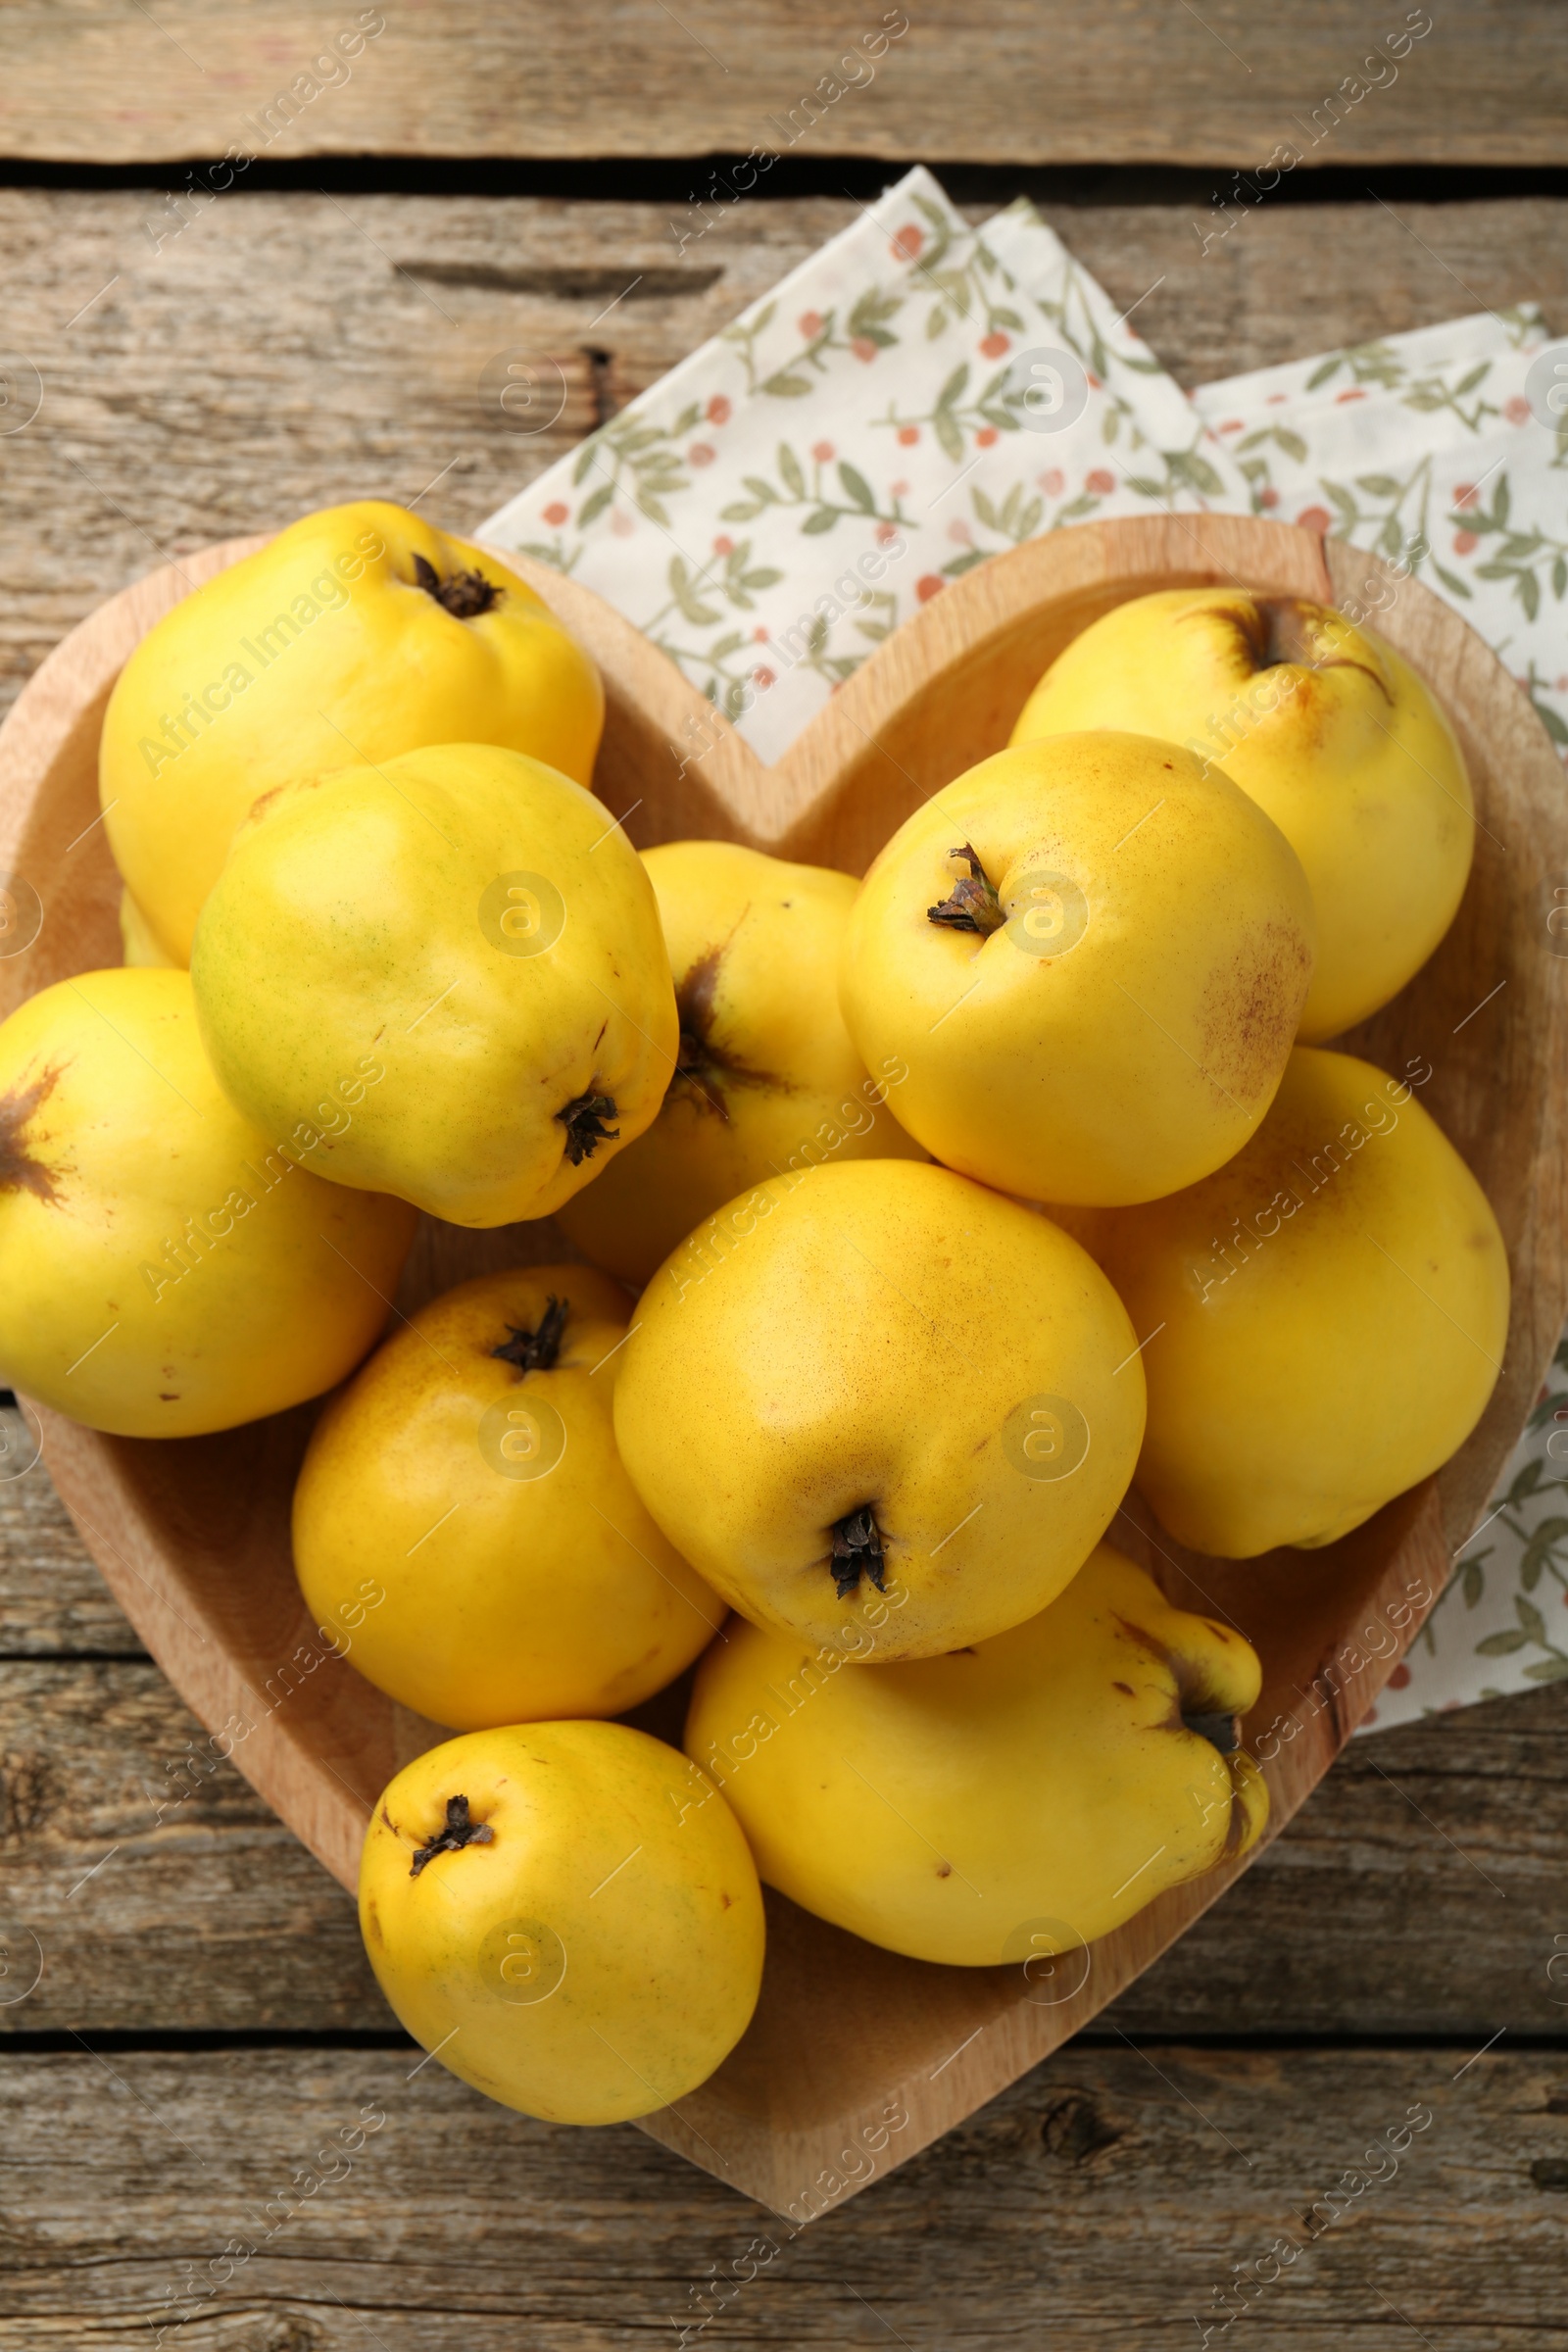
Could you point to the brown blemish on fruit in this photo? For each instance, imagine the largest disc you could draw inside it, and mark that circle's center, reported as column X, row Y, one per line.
column 291, row 790
column 1249, row 1012
column 263, row 802
column 21, row 1170
column 725, row 1899
column 943, row 1870
column 1127, row 1686
column 166, row 1396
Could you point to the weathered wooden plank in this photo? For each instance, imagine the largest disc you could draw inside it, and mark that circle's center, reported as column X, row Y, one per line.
column 1012, row 80
column 1101, row 2200
column 52, row 1598
column 1419, row 1891
column 146, row 1878
column 281, row 351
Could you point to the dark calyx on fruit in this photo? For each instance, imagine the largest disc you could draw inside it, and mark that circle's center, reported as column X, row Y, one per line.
column 585, row 1123
column 856, row 1551
column 972, row 903
column 1282, row 629
column 462, row 594
column 704, row 1070
column 457, row 1832
column 1222, row 1732
column 536, row 1351
column 20, row 1170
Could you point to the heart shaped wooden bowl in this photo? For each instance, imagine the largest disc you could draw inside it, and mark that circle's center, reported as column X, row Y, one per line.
column 857, row 2058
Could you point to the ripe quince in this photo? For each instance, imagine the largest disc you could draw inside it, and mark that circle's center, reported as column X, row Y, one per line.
column 880, row 1395
column 167, row 1267
column 554, row 1910
column 482, row 926
column 1093, row 957
column 1330, row 1313
column 470, row 1468
column 1326, row 727
column 1011, row 1801
column 767, row 1077
column 357, row 633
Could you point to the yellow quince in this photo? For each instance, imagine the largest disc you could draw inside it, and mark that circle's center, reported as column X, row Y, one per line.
column 1327, row 728
column 551, row 1910
column 1093, row 957
column 166, row 1266
column 357, row 633
column 1008, row 1803
column 881, row 1397
column 767, row 1077
column 1329, row 1314
column 470, row 1469
column 478, row 923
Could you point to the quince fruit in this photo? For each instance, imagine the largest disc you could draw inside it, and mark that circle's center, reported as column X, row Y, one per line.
column 166, row 1266
column 357, row 633
column 555, row 1911
column 1009, row 1802
column 481, row 924
column 470, row 1469
column 1092, row 955
column 1331, row 1311
column 880, row 1395
column 766, row 1078
column 1327, row 728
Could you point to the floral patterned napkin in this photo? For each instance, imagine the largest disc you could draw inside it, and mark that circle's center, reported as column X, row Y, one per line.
column 920, row 394
column 916, row 395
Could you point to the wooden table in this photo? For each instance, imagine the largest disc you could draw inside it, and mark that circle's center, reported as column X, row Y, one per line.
column 205, row 2018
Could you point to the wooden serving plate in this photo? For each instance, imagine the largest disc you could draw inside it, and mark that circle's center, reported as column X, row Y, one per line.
column 857, row 2057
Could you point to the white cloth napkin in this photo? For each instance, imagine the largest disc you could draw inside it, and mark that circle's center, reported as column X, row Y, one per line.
column 920, row 394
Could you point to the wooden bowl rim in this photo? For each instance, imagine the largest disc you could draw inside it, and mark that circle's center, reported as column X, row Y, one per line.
column 773, row 806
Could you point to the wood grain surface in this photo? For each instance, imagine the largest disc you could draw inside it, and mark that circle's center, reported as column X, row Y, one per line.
column 271, row 357
column 251, row 2201
column 1419, row 1890
column 287, row 349
column 1009, row 81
